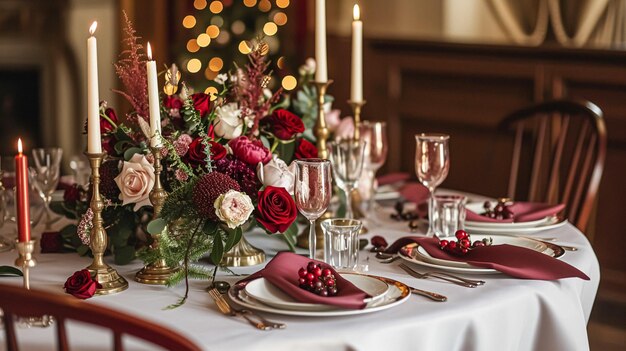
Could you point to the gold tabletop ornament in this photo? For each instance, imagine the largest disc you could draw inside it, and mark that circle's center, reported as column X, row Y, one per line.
column 157, row 272
column 107, row 276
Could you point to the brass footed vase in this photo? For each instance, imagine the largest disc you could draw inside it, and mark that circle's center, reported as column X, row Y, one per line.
column 243, row 254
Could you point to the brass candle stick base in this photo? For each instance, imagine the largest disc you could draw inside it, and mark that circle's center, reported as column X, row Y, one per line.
column 26, row 261
column 158, row 272
column 243, row 254
column 321, row 129
column 356, row 111
column 107, row 276
column 303, row 238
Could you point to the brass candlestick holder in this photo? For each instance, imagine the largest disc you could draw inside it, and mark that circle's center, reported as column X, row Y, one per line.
column 107, row 276
column 26, row 261
column 356, row 111
column 321, row 130
column 157, row 272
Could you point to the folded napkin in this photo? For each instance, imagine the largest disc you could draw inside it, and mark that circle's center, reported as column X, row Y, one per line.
column 392, row 178
column 515, row 261
column 415, row 192
column 522, row 212
column 282, row 272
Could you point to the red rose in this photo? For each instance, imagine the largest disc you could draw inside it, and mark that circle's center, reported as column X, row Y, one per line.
column 71, row 194
column 173, row 102
column 105, row 125
column 284, row 124
column 51, row 242
column 81, row 284
column 196, row 155
column 276, row 209
column 108, row 145
column 250, row 151
column 305, row 149
column 202, row 103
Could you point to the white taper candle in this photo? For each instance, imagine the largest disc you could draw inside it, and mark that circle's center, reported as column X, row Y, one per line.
column 94, row 143
column 153, row 98
column 321, row 73
column 356, row 88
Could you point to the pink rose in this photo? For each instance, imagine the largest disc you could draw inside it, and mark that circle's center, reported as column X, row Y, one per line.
column 333, row 118
column 250, row 151
column 136, row 181
column 345, row 129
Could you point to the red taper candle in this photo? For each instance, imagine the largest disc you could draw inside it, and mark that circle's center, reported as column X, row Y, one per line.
column 21, row 193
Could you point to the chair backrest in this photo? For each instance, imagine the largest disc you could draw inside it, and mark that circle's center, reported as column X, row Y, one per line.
column 560, row 147
column 19, row 302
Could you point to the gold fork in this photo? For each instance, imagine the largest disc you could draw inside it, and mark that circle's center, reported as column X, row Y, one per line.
column 225, row 308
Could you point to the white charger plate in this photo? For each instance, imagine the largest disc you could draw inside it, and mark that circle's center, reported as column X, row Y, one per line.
column 477, row 207
column 552, row 223
column 397, row 294
column 264, row 291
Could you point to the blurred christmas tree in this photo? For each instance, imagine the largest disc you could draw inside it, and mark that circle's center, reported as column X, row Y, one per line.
column 224, row 31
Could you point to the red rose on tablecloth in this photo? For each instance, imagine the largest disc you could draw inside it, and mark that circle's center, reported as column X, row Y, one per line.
column 105, row 125
column 81, row 284
column 196, row 155
column 305, row 149
column 284, row 124
column 276, row 210
column 202, row 103
column 250, row 151
column 51, row 242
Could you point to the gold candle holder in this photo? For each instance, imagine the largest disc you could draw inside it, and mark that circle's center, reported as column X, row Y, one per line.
column 356, row 111
column 157, row 272
column 26, row 261
column 107, row 276
column 321, row 130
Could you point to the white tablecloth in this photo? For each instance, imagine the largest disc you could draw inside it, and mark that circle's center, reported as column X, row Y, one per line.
column 504, row 314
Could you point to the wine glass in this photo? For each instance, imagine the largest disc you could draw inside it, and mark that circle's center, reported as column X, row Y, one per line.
column 347, row 159
column 432, row 163
column 313, row 190
column 45, row 175
column 375, row 134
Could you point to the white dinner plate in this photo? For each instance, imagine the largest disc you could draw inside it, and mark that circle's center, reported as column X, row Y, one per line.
column 477, row 207
column 264, row 291
column 552, row 223
column 497, row 240
column 397, row 294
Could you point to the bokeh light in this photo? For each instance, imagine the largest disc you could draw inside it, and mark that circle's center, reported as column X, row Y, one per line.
column 204, row 40
column 194, row 65
column 244, row 48
column 270, row 28
column 216, row 6
column 265, row 5
column 238, row 27
column 281, row 62
column 289, row 83
column 249, row 3
column 217, row 20
column 213, row 31
column 223, row 38
column 216, row 64
column 199, row 4
column 282, row 3
column 212, row 92
column 192, row 45
column 189, row 21
column 280, row 18
column 210, row 74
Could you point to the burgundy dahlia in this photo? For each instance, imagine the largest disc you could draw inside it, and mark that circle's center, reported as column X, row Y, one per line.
column 208, row 189
column 109, row 189
column 241, row 172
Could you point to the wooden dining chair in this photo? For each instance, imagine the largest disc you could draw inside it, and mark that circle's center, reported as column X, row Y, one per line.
column 558, row 156
column 19, row 302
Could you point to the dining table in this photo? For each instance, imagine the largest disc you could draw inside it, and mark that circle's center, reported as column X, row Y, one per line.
column 503, row 314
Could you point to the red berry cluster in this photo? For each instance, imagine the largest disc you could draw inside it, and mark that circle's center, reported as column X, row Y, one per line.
column 500, row 211
column 463, row 243
column 317, row 280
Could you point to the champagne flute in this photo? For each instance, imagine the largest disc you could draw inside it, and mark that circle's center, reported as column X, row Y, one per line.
column 432, row 163
column 347, row 159
column 313, row 190
column 375, row 134
column 46, row 175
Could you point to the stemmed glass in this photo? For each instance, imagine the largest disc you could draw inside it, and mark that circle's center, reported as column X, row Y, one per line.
column 347, row 159
column 432, row 163
column 375, row 134
column 313, row 190
column 45, row 176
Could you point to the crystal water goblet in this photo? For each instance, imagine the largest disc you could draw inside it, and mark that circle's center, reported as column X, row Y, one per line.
column 432, row 163
column 46, row 175
column 375, row 134
column 313, row 189
column 346, row 157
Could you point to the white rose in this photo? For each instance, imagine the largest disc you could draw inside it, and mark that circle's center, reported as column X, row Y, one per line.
column 228, row 123
column 136, row 181
column 276, row 173
column 233, row 208
column 221, row 78
column 308, row 67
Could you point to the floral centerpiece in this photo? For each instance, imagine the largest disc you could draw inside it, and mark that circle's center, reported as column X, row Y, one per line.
column 225, row 165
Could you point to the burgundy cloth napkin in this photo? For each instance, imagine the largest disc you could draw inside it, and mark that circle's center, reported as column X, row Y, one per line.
column 282, row 272
column 415, row 192
column 522, row 212
column 392, row 178
column 515, row 261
